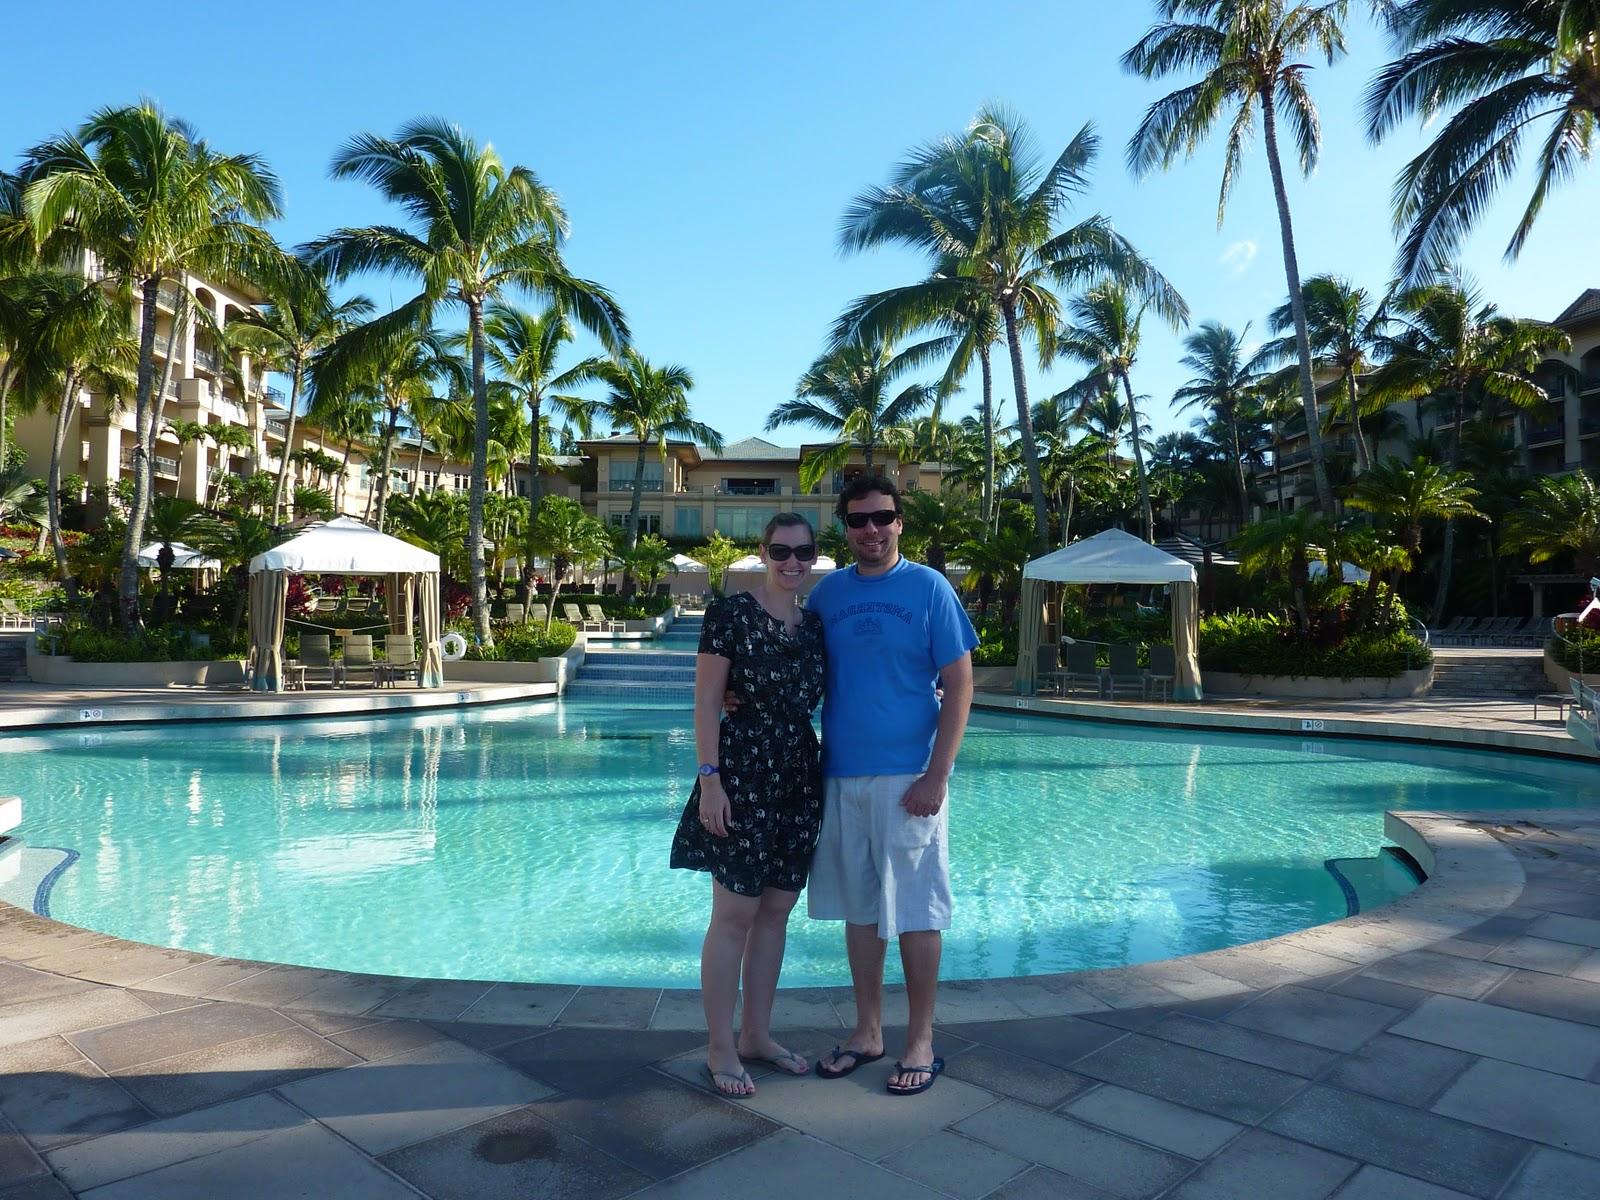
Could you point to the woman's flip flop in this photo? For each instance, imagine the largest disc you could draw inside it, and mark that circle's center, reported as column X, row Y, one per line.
column 743, row 1077
column 857, row 1058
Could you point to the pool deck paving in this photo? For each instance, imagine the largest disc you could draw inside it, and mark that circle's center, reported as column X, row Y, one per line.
column 1446, row 1045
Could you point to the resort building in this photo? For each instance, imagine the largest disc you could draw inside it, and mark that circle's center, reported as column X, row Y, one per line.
column 693, row 492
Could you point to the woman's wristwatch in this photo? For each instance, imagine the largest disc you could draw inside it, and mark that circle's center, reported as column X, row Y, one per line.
column 707, row 769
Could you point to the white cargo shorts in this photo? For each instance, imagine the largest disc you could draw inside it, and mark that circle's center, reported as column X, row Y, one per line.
column 876, row 864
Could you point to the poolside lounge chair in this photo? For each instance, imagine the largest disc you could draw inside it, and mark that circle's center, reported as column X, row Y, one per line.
column 358, row 604
column 401, row 651
column 1494, row 631
column 316, row 654
column 1082, row 669
column 12, row 616
column 325, row 604
column 539, row 614
column 516, row 614
column 1446, row 634
column 573, row 617
column 358, row 659
column 601, row 623
column 1125, row 673
column 1163, row 670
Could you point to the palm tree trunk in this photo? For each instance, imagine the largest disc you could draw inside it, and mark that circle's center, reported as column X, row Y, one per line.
column 128, row 579
column 1297, row 305
column 1447, row 557
column 53, row 487
column 866, row 451
column 279, row 492
column 1232, row 417
column 1353, row 398
column 388, row 461
column 344, row 476
column 5, row 395
column 987, row 369
column 535, row 484
column 1145, row 512
column 632, row 538
column 1030, row 448
column 1066, row 524
column 480, row 474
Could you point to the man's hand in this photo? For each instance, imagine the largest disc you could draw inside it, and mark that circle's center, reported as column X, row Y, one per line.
column 926, row 796
column 731, row 702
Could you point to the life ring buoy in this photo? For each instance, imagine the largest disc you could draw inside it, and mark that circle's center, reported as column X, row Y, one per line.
column 453, row 647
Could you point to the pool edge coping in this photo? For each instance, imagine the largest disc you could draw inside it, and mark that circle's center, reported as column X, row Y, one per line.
column 1472, row 878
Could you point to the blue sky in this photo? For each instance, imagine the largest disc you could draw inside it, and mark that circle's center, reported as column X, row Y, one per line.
column 705, row 151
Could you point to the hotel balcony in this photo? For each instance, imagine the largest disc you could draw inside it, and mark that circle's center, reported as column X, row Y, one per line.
column 167, row 468
column 1589, row 381
column 1547, row 434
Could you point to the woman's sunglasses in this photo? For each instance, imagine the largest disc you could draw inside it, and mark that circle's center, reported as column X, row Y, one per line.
column 778, row 552
column 881, row 518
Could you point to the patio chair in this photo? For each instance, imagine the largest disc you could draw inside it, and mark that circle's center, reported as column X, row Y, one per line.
column 401, row 651
column 12, row 616
column 609, row 589
column 1125, row 673
column 571, row 615
column 1493, row 632
column 358, row 659
column 1082, row 668
column 316, row 654
column 516, row 614
column 1046, row 668
column 1534, row 632
column 325, row 604
column 663, row 589
column 1163, row 669
column 539, row 614
column 600, row 622
column 358, row 604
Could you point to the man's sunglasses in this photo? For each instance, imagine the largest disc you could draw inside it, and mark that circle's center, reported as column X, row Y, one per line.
column 883, row 517
column 778, row 552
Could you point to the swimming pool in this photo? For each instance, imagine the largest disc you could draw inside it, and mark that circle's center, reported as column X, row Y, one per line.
column 530, row 842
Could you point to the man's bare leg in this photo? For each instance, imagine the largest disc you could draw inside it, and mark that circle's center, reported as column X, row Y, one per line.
column 866, row 951
column 919, row 959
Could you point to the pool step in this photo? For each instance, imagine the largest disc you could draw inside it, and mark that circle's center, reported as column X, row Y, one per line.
column 607, row 673
column 639, row 658
column 14, row 656
column 630, row 690
column 1463, row 673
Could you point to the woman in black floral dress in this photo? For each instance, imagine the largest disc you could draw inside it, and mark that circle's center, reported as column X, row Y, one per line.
column 753, row 817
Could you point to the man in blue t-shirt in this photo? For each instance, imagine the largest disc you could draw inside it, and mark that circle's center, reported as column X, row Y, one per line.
column 896, row 634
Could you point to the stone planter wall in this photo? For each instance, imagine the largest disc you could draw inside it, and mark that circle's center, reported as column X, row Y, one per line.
column 1002, row 678
column 1315, row 687
column 60, row 670
column 560, row 670
column 1561, row 679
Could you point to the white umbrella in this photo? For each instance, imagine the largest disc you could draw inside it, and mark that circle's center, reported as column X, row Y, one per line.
column 1352, row 573
column 183, row 558
column 682, row 563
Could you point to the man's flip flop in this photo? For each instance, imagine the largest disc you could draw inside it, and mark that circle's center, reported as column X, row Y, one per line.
column 743, row 1077
column 932, row 1071
column 857, row 1058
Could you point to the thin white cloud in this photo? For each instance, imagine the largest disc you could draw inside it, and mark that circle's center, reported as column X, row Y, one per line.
column 1238, row 257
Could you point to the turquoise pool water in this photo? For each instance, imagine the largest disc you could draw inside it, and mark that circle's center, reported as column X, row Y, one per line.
column 531, row 842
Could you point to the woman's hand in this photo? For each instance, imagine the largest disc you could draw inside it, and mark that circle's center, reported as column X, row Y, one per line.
column 715, row 811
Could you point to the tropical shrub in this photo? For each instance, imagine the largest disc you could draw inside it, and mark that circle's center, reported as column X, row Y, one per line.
column 85, row 643
column 1578, row 649
column 1247, row 644
column 526, row 643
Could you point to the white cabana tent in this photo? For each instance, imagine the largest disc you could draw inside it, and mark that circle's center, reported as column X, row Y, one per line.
column 344, row 546
column 1316, row 569
column 682, row 564
column 183, row 558
column 1114, row 556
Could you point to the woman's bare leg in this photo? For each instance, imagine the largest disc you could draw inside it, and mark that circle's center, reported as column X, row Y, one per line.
column 763, row 960
column 732, row 918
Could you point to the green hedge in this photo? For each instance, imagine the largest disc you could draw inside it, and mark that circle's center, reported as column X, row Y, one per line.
column 87, row 644
column 1245, row 644
column 526, row 643
column 1578, row 650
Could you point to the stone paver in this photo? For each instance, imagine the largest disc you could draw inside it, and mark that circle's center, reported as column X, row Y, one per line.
column 1421, row 1052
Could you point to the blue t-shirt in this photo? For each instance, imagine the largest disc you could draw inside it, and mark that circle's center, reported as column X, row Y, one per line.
column 887, row 637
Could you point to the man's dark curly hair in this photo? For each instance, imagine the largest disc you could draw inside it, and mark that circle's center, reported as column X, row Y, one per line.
column 865, row 485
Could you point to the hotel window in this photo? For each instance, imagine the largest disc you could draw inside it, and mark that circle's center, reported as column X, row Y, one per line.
column 743, row 524
column 688, row 522
column 649, row 522
column 462, row 482
column 622, row 475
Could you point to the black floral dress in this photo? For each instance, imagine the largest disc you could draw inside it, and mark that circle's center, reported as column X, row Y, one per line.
column 771, row 765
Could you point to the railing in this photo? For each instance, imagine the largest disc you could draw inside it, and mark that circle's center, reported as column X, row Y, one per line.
column 1543, row 435
column 1588, row 425
column 207, row 360
column 163, row 466
column 273, row 394
column 748, row 489
column 278, row 426
column 626, row 485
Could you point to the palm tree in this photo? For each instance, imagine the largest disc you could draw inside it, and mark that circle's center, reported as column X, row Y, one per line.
column 567, row 536
column 172, row 519
column 1504, row 67
column 1558, row 515
column 300, row 321
column 1452, row 345
column 21, row 501
column 228, row 439
column 1250, row 55
column 651, row 405
column 152, row 201
column 480, row 230
column 983, row 202
column 1105, row 337
column 1344, row 330
column 1410, row 493
column 436, row 521
column 524, row 348
column 850, row 392
column 1285, row 545
column 938, row 522
column 1223, row 382
column 233, row 541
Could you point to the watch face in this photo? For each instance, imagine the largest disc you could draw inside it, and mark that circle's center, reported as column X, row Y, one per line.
column 707, row 769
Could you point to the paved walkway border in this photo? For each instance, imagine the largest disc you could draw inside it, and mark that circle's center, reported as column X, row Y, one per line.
column 1471, row 878
column 1303, row 719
